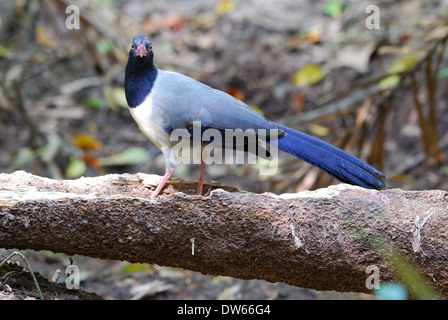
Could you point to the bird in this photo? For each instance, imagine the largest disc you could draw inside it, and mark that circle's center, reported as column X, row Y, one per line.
column 162, row 102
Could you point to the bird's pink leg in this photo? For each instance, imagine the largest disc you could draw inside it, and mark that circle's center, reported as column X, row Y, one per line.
column 201, row 176
column 166, row 177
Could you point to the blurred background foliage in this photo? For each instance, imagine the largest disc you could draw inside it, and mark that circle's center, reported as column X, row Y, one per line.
column 377, row 93
column 313, row 65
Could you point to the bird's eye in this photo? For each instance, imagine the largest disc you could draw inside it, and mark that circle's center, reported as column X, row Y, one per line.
column 150, row 47
column 132, row 47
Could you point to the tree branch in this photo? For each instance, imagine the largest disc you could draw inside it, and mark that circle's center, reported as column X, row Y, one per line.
column 324, row 239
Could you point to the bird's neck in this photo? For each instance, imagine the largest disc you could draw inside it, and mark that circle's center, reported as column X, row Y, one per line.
column 139, row 80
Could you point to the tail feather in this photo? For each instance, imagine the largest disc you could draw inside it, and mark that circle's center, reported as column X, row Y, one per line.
column 338, row 163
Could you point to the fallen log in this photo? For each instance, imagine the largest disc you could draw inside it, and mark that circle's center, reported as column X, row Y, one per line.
column 328, row 239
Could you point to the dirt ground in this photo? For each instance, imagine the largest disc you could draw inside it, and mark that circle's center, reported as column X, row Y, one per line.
column 112, row 280
column 71, row 85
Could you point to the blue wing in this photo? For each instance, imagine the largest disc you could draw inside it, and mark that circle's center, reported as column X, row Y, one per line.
column 185, row 100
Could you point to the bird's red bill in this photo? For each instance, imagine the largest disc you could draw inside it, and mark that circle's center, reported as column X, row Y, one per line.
column 141, row 50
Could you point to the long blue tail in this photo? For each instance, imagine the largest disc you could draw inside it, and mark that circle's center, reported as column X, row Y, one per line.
column 338, row 163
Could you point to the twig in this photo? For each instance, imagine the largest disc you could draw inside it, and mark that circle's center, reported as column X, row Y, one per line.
column 431, row 81
column 377, row 153
column 16, row 253
column 421, row 116
column 35, row 131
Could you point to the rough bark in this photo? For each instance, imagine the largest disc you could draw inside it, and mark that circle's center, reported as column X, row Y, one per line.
column 324, row 239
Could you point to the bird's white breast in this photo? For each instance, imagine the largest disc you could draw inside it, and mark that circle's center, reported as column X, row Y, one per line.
column 149, row 123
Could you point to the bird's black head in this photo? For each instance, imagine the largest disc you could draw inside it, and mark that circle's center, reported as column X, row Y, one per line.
column 141, row 49
column 140, row 72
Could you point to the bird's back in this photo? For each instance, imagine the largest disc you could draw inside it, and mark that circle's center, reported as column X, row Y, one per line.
column 186, row 100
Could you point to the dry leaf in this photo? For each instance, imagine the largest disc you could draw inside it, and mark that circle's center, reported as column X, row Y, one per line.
column 91, row 160
column 44, row 38
column 86, row 142
column 149, row 289
column 236, row 93
column 224, row 6
column 314, row 35
column 355, row 56
column 174, row 21
column 299, row 103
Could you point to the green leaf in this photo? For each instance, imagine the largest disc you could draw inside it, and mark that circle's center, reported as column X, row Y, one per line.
column 404, row 63
column 442, row 73
column 104, row 46
column 389, row 82
column 76, row 167
column 5, row 52
column 184, row 171
column 22, row 157
column 257, row 109
column 94, row 103
column 308, row 75
column 409, row 274
column 319, row 130
column 135, row 267
column 333, row 8
column 115, row 97
column 129, row 157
